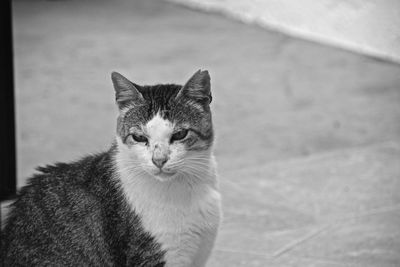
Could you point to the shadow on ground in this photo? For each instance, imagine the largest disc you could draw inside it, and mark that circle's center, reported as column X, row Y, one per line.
column 308, row 136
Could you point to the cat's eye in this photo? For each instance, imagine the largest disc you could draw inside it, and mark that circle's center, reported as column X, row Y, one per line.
column 140, row 138
column 179, row 135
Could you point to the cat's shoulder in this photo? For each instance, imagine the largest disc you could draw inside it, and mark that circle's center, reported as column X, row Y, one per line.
column 74, row 171
column 65, row 178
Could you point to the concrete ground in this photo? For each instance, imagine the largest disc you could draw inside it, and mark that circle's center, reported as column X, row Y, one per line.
column 308, row 136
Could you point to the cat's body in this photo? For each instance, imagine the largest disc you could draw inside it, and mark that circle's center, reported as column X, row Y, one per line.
column 75, row 215
column 151, row 200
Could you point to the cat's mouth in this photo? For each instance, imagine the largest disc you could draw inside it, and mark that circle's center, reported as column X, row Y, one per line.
column 164, row 174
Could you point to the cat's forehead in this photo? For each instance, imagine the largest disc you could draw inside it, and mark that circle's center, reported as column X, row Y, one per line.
column 158, row 127
column 160, row 109
column 158, row 121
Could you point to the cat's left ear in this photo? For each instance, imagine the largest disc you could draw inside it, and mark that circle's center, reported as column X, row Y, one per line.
column 198, row 87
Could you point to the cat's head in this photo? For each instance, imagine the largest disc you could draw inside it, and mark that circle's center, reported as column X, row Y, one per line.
column 164, row 130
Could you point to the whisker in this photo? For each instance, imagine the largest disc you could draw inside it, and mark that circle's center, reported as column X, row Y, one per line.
column 194, row 163
column 199, row 166
column 203, row 159
column 197, row 171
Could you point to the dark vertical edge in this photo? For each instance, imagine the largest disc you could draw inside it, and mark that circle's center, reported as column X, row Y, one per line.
column 7, row 107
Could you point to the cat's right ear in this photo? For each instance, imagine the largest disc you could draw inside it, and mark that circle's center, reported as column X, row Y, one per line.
column 125, row 91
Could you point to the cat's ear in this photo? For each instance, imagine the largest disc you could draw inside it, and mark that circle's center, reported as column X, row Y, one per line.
column 125, row 91
column 198, row 87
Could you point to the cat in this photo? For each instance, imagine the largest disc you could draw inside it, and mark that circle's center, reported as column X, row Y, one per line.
column 152, row 199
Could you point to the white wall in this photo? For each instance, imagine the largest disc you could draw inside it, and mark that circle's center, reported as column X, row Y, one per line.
column 367, row 26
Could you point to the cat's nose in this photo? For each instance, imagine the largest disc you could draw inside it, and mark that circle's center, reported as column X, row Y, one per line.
column 159, row 161
column 160, row 155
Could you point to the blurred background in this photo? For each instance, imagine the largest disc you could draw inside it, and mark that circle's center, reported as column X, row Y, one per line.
column 306, row 111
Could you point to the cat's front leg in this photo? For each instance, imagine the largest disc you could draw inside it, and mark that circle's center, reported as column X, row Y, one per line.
column 206, row 245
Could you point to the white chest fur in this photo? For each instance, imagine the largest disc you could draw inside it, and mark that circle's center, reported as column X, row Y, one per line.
column 182, row 216
column 182, row 228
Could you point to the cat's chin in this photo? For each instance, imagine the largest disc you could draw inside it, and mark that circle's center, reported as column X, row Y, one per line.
column 164, row 176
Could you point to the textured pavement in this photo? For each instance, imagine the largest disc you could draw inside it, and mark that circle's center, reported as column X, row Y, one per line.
column 308, row 136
